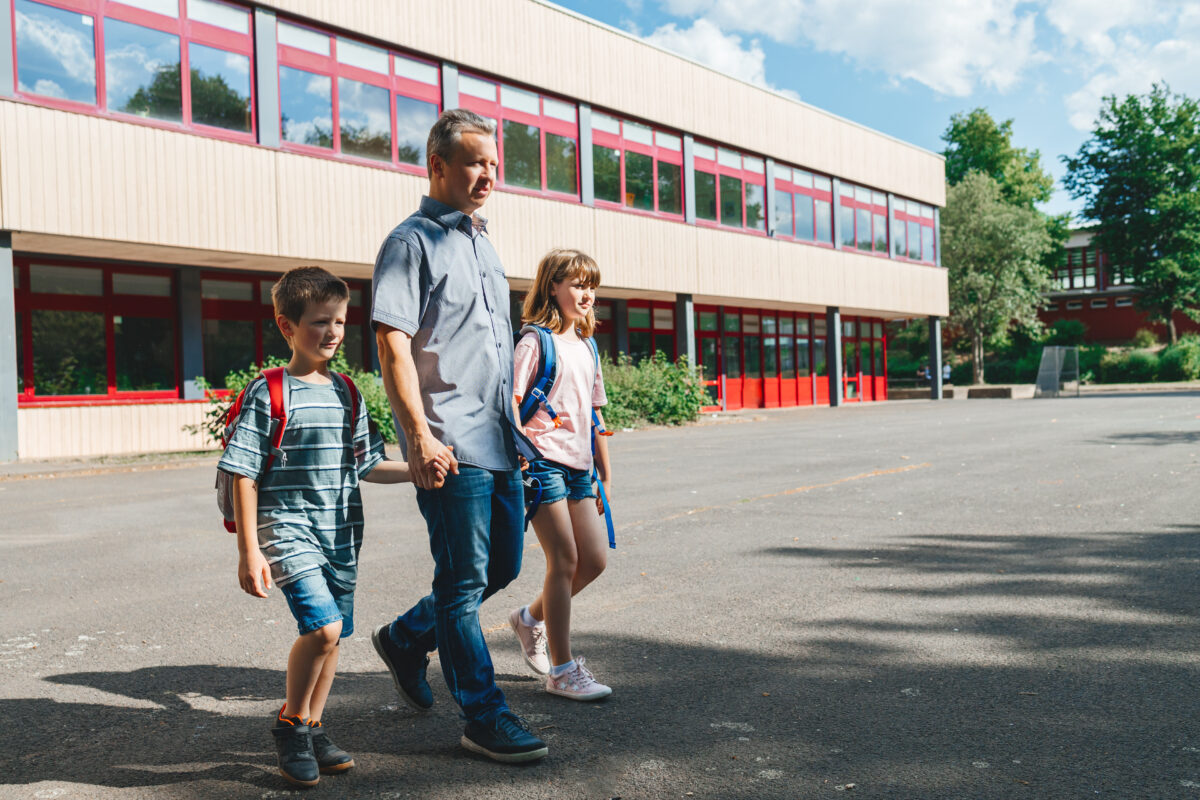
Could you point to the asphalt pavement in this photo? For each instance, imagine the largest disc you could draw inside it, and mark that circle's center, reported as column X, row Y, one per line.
column 981, row 599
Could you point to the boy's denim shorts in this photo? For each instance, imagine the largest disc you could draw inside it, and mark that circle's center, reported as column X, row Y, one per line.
column 316, row 601
column 560, row 482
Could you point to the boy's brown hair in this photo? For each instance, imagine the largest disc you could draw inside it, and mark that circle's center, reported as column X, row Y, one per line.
column 301, row 287
column 559, row 265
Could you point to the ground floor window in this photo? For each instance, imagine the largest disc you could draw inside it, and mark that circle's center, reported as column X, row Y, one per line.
column 651, row 329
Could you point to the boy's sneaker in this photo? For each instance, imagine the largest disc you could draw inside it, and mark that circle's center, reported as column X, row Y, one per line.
column 408, row 671
column 505, row 738
column 577, row 683
column 330, row 758
column 533, row 642
column 293, row 743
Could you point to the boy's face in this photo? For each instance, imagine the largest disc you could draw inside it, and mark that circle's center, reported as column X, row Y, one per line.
column 318, row 333
column 466, row 179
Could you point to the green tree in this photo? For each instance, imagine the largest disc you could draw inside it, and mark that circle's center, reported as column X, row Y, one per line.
column 1139, row 176
column 214, row 102
column 993, row 251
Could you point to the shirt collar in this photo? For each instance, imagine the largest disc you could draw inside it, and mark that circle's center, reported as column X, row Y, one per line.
column 452, row 218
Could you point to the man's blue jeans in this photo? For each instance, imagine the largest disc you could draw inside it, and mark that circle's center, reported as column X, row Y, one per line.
column 476, row 527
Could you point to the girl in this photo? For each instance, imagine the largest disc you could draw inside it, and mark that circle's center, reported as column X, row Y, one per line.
column 568, row 520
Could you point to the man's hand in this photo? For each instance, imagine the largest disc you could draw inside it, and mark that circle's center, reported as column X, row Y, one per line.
column 429, row 460
column 254, row 573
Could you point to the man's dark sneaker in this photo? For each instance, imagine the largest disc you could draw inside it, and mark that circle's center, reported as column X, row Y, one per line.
column 408, row 670
column 293, row 742
column 330, row 758
column 505, row 738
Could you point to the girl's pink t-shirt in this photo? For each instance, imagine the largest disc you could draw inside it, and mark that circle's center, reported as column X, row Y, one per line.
column 577, row 389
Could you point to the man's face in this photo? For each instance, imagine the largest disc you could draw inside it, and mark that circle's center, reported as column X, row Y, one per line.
column 466, row 179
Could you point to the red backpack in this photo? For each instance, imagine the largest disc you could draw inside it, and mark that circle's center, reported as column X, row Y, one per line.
column 232, row 417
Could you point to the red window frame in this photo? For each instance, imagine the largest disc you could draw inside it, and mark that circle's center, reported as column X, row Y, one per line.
column 331, row 67
column 786, row 182
column 658, row 153
column 261, row 313
column 650, row 330
column 544, row 122
column 188, row 30
column 110, row 305
column 714, row 166
column 904, row 214
column 850, row 198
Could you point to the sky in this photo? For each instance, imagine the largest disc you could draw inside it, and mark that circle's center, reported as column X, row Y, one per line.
column 904, row 67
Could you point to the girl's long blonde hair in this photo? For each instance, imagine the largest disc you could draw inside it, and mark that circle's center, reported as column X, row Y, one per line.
column 558, row 265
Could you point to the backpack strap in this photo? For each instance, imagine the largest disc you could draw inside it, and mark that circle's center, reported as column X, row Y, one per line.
column 352, row 390
column 598, row 430
column 543, row 379
column 277, row 389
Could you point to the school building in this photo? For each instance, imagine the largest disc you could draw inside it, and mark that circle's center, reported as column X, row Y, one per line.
column 1090, row 288
column 163, row 161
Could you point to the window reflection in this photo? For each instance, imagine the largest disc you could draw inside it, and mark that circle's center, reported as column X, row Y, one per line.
column 306, row 107
column 522, row 160
column 144, row 351
column 670, row 188
column 220, row 83
column 606, row 165
column 364, row 124
column 824, row 222
column 68, row 353
column 142, row 71
column 783, row 212
column 561, row 169
column 414, row 118
column 706, row 196
column 731, row 201
column 228, row 345
column 56, row 52
column 756, row 215
column 639, row 181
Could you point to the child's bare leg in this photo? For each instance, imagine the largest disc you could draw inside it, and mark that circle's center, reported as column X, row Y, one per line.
column 306, row 663
column 552, row 524
column 591, row 542
column 320, row 692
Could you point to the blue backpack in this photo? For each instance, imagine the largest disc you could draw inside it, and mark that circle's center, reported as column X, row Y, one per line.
column 538, row 397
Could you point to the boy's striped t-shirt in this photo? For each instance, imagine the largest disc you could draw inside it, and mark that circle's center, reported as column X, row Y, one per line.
column 309, row 509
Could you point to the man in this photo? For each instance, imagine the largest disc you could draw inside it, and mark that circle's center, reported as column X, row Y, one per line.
column 440, row 314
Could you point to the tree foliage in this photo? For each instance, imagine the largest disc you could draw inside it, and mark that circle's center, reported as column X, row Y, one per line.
column 975, row 141
column 993, row 250
column 1139, row 177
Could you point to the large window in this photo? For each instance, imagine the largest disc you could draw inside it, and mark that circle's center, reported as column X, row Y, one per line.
column 864, row 219
column 87, row 331
column 803, row 206
column 337, row 95
column 730, row 188
column 538, row 136
column 1082, row 270
column 178, row 62
column 914, row 237
column 651, row 329
column 637, row 167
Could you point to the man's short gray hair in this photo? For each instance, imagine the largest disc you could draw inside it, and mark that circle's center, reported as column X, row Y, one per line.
column 446, row 133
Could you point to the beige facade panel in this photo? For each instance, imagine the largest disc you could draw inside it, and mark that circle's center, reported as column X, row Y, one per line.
column 85, row 431
column 561, row 53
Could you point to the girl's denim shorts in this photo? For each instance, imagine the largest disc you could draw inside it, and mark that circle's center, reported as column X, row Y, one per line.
column 316, row 601
column 560, row 482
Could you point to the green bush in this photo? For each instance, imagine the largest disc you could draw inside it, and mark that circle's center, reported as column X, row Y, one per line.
column 1145, row 338
column 369, row 386
column 1181, row 361
column 654, row 391
column 1068, row 332
column 1128, row 366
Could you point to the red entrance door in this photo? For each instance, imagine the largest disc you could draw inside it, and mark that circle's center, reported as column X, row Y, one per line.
column 731, row 358
column 752, row 382
column 770, row 361
column 708, row 345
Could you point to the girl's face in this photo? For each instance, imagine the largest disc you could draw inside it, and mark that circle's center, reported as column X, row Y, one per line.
column 573, row 297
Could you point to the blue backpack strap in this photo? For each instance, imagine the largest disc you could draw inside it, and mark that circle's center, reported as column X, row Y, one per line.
column 543, row 379
column 598, row 430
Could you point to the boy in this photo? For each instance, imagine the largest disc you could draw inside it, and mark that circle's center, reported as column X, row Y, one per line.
column 300, row 524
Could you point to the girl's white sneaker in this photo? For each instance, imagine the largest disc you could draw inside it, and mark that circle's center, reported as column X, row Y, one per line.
column 533, row 642
column 577, row 683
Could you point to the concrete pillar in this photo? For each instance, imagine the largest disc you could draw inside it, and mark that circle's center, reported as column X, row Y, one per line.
column 770, row 197
column 937, row 236
column 833, row 353
column 587, row 169
column 891, row 223
column 8, row 351
column 266, row 77
column 689, row 179
column 621, row 325
column 685, row 328
column 7, row 78
column 191, row 333
column 449, row 85
column 837, row 217
column 935, row 358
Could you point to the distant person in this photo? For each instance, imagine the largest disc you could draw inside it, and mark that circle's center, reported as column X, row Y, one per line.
column 300, row 524
column 567, row 520
column 946, row 373
column 445, row 341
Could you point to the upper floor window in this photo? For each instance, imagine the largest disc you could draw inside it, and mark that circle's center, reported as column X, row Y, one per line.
column 538, row 136
column 132, row 58
column 730, row 188
column 803, row 206
column 864, row 219
column 1081, row 270
column 636, row 166
column 913, row 233
column 342, row 96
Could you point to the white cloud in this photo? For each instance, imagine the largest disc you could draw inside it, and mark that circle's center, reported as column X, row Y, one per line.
column 706, row 43
column 57, row 43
